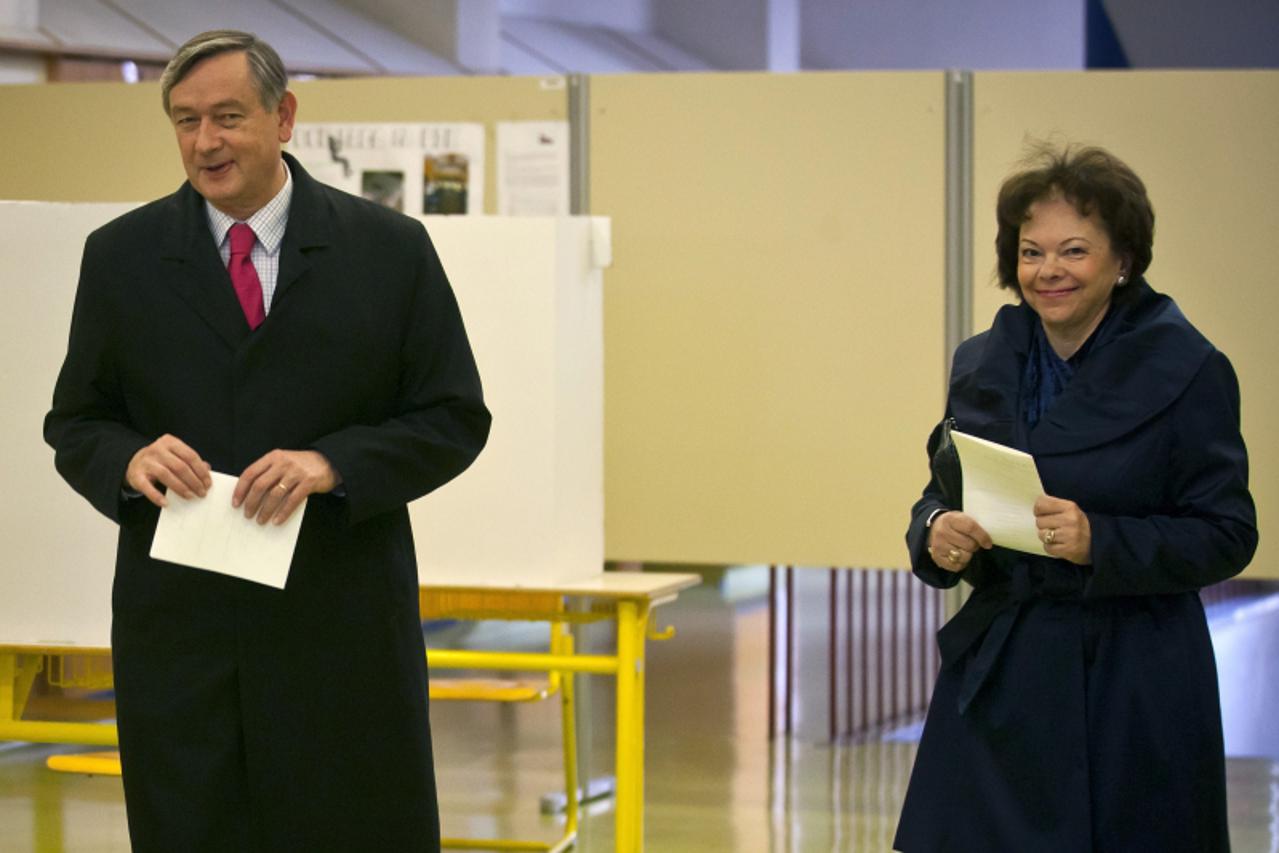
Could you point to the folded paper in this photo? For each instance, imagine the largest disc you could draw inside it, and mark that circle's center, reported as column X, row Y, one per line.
column 1001, row 485
column 208, row 533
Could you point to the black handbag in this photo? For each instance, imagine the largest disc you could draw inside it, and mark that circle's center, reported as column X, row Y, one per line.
column 944, row 461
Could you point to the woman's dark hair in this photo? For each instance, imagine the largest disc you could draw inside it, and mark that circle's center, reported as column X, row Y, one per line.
column 1094, row 181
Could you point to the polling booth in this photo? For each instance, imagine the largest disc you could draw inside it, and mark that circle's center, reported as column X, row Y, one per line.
column 529, row 510
column 774, row 325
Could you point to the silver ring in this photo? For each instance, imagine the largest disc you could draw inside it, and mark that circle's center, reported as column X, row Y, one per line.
column 1050, row 535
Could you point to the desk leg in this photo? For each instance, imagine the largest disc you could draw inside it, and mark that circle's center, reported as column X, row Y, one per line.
column 8, row 676
column 632, row 621
column 17, row 675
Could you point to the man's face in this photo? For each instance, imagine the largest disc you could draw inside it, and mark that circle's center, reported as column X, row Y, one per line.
column 230, row 143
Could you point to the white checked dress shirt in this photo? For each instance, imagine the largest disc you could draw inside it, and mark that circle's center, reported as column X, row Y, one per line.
column 268, row 224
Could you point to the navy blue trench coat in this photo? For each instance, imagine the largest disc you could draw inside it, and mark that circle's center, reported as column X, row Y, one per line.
column 1077, row 708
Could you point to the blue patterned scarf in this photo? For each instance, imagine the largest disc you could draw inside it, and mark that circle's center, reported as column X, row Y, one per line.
column 1045, row 377
column 1047, row 374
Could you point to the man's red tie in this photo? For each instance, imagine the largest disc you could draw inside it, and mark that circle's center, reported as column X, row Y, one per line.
column 244, row 278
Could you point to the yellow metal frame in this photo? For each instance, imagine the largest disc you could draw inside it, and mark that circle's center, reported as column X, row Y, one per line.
column 627, row 666
column 88, row 763
column 453, row 606
column 19, row 666
column 630, row 609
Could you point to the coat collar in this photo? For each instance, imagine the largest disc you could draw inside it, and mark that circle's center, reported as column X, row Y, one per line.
column 197, row 271
column 309, row 229
column 1141, row 362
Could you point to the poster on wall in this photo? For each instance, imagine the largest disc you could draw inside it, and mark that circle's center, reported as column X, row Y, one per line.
column 413, row 168
column 532, row 168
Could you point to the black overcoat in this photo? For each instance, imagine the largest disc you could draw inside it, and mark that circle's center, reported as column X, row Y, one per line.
column 252, row 718
column 1077, row 709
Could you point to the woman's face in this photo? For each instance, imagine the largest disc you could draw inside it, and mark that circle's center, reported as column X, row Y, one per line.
column 1067, row 271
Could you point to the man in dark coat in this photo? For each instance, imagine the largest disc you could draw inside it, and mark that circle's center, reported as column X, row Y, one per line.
column 252, row 718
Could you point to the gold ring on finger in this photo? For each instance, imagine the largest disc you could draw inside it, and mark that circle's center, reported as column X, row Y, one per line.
column 954, row 555
column 282, row 487
column 1050, row 535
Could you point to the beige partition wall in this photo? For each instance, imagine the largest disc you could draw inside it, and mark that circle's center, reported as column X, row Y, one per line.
column 774, row 336
column 112, row 142
column 87, row 142
column 1205, row 144
column 773, row 316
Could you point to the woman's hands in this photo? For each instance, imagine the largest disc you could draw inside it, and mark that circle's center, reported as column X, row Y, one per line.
column 1064, row 530
column 954, row 538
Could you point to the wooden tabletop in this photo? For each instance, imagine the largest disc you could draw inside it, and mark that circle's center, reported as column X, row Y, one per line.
column 650, row 585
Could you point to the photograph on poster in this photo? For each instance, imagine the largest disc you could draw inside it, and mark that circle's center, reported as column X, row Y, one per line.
column 385, row 188
column 444, row 180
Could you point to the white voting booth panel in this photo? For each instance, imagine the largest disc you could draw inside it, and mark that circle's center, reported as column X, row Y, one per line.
column 529, row 511
column 58, row 552
column 531, row 508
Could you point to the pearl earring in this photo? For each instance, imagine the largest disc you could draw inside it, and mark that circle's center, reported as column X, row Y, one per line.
column 1122, row 279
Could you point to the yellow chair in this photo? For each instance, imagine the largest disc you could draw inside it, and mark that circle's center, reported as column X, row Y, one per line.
column 435, row 604
column 438, row 604
column 83, row 672
column 88, row 763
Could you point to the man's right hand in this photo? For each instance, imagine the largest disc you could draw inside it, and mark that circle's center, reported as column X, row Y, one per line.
column 168, row 462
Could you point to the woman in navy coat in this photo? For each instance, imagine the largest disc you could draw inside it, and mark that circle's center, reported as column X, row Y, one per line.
column 1077, row 708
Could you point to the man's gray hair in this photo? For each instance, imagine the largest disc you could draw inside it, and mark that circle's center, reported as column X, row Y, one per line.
column 265, row 68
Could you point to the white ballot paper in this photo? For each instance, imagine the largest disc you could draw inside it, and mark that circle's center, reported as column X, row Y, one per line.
column 208, row 533
column 1001, row 485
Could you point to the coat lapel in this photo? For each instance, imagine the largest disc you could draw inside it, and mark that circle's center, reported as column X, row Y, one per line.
column 987, row 379
column 307, row 230
column 195, row 268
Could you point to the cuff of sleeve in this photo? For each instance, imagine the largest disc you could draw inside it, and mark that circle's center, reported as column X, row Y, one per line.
column 921, row 563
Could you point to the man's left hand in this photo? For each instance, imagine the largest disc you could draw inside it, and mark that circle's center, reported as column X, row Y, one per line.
column 274, row 486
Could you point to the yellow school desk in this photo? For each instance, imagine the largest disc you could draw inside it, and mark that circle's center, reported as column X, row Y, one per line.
column 625, row 598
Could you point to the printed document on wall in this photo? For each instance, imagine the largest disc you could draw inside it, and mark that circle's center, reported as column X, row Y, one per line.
column 532, row 168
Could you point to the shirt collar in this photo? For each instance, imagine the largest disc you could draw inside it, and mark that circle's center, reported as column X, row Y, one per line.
column 268, row 223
